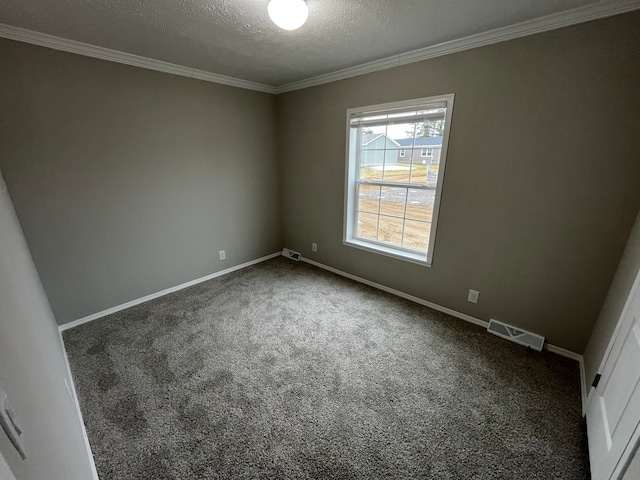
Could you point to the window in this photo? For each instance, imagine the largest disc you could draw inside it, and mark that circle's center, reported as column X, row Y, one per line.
column 426, row 152
column 402, row 153
column 390, row 207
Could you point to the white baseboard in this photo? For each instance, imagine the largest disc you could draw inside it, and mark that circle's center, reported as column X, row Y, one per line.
column 77, row 405
column 133, row 303
column 463, row 316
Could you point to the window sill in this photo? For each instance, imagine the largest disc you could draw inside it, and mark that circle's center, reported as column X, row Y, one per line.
column 388, row 251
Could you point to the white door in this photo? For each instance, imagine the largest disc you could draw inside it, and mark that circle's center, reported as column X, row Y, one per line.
column 5, row 471
column 613, row 412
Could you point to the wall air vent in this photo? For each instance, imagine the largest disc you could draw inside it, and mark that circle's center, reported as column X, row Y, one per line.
column 517, row 335
column 290, row 254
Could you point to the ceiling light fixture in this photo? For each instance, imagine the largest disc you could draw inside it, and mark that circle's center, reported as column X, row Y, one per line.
column 288, row 14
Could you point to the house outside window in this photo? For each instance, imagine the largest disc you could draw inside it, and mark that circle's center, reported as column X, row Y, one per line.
column 392, row 207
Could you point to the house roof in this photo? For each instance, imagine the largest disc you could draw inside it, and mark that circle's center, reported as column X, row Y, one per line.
column 420, row 142
column 367, row 138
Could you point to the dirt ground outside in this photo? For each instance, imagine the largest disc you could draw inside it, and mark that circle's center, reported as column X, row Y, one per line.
column 396, row 215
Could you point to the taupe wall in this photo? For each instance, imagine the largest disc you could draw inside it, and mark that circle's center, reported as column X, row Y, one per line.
column 128, row 181
column 541, row 187
column 33, row 369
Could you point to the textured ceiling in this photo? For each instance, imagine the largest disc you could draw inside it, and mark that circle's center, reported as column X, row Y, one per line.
column 237, row 38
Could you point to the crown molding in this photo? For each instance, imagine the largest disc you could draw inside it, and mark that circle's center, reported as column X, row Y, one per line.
column 57, row 43
column 603, row 9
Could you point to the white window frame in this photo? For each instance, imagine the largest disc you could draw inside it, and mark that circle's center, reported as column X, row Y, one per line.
column 350, row 237
column 402, row 152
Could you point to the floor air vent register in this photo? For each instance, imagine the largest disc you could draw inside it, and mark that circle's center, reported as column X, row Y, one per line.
column 517, row 335
column 291, row 254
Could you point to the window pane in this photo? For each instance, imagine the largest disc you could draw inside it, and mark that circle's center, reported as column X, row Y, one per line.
column 393, row 201
column 390, row 230
column 420, row 204
column 367, row 226
column 369, row 198
column 432, row 128
column 373, row 141
column 416, row 235
column 371, row 172
column 370, row 133
column 371, row 164
column 418, row 172
column 432, row 173
column 402, row 136
column 394, row 170
column 408, row 155
column 402, row 133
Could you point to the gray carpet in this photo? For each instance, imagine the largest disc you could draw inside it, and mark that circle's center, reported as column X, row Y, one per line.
column 283, row 370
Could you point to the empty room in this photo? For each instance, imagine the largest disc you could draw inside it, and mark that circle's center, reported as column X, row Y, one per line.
column 308, row 239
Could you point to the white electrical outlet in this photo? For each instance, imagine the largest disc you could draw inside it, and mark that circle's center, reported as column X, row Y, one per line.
column 473, row 296
column 223, row 255
column 314, row 247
